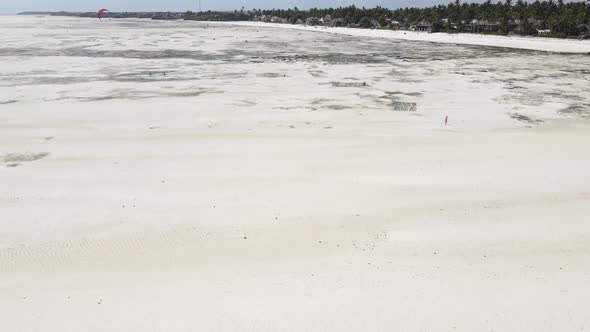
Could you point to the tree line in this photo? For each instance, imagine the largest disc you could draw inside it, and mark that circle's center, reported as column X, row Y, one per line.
column 563, row 19
column 527, row 18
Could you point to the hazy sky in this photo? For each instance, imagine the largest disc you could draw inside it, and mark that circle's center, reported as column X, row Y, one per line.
column 14, row 6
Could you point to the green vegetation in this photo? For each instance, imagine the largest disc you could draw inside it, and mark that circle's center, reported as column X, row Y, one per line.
column 544, row 18
column 520, row 17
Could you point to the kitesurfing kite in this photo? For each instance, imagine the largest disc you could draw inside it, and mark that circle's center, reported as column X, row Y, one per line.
column 100, row 12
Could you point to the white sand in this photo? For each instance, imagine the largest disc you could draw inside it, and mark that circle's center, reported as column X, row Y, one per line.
column 260, row 186
column 517, row 42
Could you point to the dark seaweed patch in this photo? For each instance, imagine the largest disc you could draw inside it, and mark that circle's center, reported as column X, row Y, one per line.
column 20, row 157
column 525, row 119
column 404, row 106
column 580, row 110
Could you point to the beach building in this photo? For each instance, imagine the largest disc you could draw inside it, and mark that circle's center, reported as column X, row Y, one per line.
column 424, row 26
column 375, row 24
column 337, row 22
column 584, row 30
column 513, row 25
column 312, row 21
column 276, row 19
column 261, row 18
column 477, row 26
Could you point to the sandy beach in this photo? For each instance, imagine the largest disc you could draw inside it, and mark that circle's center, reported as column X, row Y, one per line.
column 518, row 42
column 185, row 176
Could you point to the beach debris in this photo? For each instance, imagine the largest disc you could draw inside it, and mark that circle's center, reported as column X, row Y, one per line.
column 48, row 138
column 348, row 84
column 394, row 98
column 271, row 75
column 302, row 108
column 13, row 165
column 315, row 72
column 336, row 107
column 245, row 237
column 403, row 106
column 446, row 119
column 412, row 94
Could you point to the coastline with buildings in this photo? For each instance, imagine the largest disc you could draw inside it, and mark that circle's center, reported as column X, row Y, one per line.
column 476, row 32
column 539, row 18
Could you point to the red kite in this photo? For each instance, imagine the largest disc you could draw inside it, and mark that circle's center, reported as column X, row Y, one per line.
column 100, row 12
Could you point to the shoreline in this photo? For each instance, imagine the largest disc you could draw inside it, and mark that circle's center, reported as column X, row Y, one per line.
column 544, row 44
